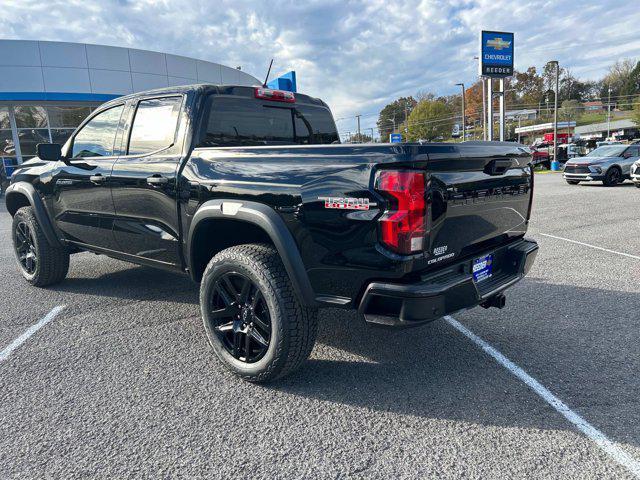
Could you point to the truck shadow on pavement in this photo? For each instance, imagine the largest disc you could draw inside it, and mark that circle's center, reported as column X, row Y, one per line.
column 584, row 356
column 133, row 283
column 585, row 353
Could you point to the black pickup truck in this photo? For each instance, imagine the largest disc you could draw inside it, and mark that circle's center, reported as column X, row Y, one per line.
column 248, row 191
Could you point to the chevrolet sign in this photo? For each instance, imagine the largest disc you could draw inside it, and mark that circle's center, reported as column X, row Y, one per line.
column 496, row 54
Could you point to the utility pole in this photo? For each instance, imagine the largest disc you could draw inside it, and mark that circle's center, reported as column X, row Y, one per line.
column 555, row 111
column 406, row 117
column 609, row 114
column 464, row 123
column 359, row 136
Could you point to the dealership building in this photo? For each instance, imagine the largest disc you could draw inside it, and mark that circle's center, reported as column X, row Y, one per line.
column 48, row 88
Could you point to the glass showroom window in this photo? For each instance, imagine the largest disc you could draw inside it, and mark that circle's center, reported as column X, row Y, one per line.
column 39, row 124
column 31, row 122
column 63, row 120
column 7, row 145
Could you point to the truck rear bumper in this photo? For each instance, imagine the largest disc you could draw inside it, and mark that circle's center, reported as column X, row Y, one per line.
column 448, row 290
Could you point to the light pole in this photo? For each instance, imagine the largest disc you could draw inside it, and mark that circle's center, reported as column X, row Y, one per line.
column 609, row 114
column 464, row 123
column 555, row 111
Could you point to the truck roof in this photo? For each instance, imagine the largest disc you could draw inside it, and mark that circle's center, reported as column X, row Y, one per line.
column 206, row 88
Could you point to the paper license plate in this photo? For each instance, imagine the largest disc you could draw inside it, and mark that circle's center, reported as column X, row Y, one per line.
column 482, row 268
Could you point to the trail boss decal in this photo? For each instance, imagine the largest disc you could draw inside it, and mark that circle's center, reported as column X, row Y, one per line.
column 345, row 203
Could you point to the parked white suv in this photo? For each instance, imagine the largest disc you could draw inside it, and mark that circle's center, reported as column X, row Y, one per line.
column 635, row 173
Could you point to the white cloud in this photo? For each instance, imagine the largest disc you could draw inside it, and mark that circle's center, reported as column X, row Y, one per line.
column 357, row 55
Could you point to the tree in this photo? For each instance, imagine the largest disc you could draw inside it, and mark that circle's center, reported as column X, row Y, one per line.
column 570, row 110
column 393, row 115
column 618, row 79
column 473, row 101
column 529, row 87
column 362, row 138
column 573, row 89
column 549, row 76
column 430, row 120
column 635, row 116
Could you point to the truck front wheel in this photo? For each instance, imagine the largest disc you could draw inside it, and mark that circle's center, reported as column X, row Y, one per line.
column 252, row 317
column 40, row 263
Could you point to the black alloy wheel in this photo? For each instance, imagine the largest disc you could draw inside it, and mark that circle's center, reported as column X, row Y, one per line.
column 25, row 248
column 240, row 317
column 613, row 177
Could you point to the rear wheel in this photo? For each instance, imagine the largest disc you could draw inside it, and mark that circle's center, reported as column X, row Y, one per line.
column 612, row 177
column 253, row 319
column 40, row 263
column 637, row 185
column 573, row 182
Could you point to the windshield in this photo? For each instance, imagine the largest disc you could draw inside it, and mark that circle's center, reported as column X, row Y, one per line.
column 238, row 121
column 608, row 151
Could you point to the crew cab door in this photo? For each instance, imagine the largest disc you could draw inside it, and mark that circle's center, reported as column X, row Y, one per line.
column 81, row 201
column 144, row 186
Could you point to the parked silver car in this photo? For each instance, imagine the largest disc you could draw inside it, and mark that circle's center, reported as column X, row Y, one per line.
column 609, row 164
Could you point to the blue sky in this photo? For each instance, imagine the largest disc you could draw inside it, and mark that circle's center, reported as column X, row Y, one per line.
column 357, row 55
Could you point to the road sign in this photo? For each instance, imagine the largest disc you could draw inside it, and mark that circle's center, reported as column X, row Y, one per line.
column 496, row 54
column 395, row 138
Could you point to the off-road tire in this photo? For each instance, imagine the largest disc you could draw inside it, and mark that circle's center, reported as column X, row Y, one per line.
column 612, row 177
column 293, row 326
column 52, row 264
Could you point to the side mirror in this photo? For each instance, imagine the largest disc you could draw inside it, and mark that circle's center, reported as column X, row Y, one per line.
column 52, row 152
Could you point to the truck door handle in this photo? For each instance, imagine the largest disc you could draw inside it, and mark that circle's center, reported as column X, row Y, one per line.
column 97, row 178
column 157, row 180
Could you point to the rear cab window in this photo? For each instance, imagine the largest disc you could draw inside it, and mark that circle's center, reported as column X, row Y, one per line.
column 154, row 125
column 243, row 120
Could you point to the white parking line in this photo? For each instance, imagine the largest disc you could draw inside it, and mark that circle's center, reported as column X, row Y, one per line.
column 595, row 435
column 591, row 246
column 29, row 332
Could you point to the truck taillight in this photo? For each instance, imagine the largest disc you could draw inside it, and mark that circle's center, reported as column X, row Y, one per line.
column 275, row 95
column 403, row 225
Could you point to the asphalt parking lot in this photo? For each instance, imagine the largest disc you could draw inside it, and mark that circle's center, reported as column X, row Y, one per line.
column 122, row 384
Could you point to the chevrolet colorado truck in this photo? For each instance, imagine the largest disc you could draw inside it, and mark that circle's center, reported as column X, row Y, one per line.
column 248, row 191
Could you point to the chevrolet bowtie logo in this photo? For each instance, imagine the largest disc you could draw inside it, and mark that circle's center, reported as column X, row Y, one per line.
column 498, row 43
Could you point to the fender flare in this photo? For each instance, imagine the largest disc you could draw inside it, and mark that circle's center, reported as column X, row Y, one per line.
column 268, row 220
column 26, row 189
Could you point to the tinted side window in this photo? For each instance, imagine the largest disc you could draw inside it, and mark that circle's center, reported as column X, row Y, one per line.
column 154, row 125
column 97, row 137
column 635, row 151
column 314, row 125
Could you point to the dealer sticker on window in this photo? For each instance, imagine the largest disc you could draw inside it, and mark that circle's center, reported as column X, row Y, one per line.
column 482, row 268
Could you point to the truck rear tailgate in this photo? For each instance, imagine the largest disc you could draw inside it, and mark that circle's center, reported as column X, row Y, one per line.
column 480, row 196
